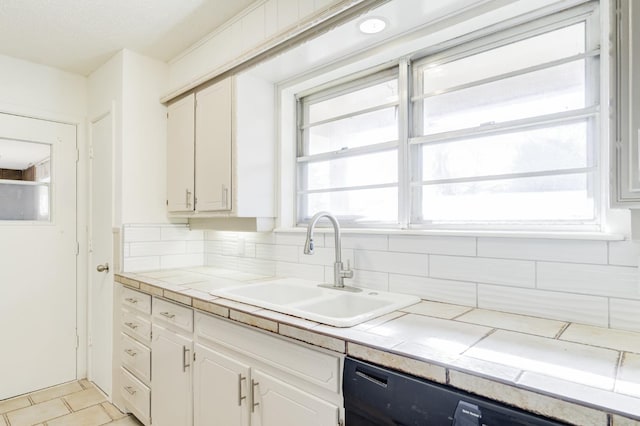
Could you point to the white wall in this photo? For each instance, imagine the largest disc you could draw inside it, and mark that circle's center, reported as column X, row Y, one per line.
column 144, row 140
column 44, row 92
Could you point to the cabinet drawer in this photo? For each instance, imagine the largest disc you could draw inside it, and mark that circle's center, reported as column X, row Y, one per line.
column 310, row 364
column 137, row 396
column 136, row 357
column 136, row 300
column 135, row 325
column 170, row 313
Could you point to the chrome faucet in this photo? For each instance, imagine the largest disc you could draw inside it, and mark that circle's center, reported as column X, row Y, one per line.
column 339, row 274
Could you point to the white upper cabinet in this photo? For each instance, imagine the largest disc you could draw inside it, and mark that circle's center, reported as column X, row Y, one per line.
column 625, row 127
column 213, row 147
column 180, row 152
column 220, row 154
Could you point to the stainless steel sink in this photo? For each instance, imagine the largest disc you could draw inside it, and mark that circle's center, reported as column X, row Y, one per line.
column 305, row 299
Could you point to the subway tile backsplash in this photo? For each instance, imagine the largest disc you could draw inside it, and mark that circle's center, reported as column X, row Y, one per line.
column 588, row 282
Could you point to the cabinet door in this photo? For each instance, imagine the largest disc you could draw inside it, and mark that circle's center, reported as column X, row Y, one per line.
column 171, row 356
column 280, row 404
column 213, row 147
column 220, row 386
column 180, row 155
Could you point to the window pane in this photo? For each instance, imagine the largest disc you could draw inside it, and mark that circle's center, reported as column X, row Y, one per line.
column 554, row 148
column 379, row 94
column 548, row 198
column 566, row 42
column 365, row 205
column 548, row 91
column 24, row 180
column 361, row 130
column 370, row 169
column 24, row 202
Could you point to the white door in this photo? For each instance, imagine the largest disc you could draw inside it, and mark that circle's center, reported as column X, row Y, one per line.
column 171, row 356
column 280, row 404
column 38, row 250
column 101, row 254
column 220, row 390
column 213, row 147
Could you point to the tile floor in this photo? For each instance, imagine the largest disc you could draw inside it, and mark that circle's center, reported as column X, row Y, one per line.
column 77, row 403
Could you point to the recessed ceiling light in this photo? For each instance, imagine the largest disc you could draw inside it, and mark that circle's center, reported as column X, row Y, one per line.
column 372, row 25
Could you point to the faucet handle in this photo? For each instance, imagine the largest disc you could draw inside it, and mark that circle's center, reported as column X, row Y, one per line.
column 348, row 273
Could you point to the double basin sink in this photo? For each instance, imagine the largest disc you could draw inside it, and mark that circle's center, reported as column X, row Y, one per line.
column 305, row 299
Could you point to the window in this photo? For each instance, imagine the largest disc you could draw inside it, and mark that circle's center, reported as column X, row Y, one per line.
column 25, row 179
column 501, row 132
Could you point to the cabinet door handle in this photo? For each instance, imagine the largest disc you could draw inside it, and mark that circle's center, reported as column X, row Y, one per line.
column 168, row 315
column 131, row 300
column 131, row 390
column 131, row 325
column 225, row 196
column 131, row 352
column 188, row 197
column 240, row 397
column 254, row 404
column 185, row 351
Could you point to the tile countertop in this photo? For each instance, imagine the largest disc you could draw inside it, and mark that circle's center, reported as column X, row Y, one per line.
column 575, row 373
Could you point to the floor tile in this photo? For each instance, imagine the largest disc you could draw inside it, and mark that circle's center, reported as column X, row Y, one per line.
column 86, row 384
column 629, row 375
column 85, row 398
column 436, row 309
column 628, row 341
column 447, row 336
column 92, row 416
column 564, row 360
column 14, row 404
column 112, row 411
column 2, row 421
column 513, row 322
column 37, row 413
column 55, row 392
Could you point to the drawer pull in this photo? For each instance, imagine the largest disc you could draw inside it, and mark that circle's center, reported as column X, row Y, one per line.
column 240, row 397
column 185, row 351
column 131, row 325
column 168, row 315
column 130, row 389
column 131, row 300
column 131, row 352
column 254, row 404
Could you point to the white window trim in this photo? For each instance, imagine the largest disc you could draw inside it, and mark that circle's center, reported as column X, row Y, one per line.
column 615, row 222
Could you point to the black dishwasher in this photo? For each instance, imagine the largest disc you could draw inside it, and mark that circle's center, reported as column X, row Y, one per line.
column 376, row 396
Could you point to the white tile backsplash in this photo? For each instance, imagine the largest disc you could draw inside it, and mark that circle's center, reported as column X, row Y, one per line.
column 399, row 263
column 517, row 273
column 602, row 280
column 544, row 249
column 462, row 246
column 588, row 282
column 448, row 291
column 545, row 304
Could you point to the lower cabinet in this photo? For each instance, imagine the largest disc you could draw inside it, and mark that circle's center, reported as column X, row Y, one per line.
column 276, row 403
column 220, row 389
column 203, row 370
column 171, row 378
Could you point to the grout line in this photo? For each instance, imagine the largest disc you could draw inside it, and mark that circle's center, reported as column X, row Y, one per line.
column 561, row 331
column 619, row 364
column 64, row 401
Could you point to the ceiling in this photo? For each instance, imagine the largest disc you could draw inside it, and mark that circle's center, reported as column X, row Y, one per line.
column 80, row 35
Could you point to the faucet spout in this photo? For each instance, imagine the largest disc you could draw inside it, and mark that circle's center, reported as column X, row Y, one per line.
column 339, row 272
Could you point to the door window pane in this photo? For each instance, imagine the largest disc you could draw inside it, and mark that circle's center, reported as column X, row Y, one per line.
column 25, row 179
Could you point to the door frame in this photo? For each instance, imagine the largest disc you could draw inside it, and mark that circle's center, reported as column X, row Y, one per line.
column 90, row 261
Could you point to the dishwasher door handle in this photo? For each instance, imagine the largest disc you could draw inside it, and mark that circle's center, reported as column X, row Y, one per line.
column 376, row 379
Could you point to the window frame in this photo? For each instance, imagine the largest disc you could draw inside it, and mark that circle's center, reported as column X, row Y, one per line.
column 407, row 67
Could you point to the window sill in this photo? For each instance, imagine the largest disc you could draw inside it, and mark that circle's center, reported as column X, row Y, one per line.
column 552, row 235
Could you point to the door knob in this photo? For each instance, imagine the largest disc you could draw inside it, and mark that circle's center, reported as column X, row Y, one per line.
column 103, row 268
